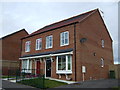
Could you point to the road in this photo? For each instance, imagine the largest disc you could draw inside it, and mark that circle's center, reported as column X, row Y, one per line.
column 108, row 83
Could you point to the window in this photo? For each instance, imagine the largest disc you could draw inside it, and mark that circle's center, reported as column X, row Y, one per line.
column 102, row 42
column 27, row 46
column 64, row 38
column 102, row 62
column 64, row 64
column 26, row 66
column 61, row 63
column 49, row 41
column 39, row 44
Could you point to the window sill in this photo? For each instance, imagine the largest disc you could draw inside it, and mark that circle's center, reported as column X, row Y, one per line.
column 26, row 71
column 48, row 47
column 64, row 72
column 37, row 49
column 64, row 45
column 27, row 51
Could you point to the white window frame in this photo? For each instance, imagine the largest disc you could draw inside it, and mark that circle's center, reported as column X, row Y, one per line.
column 103, row 43
column 38, row 44
column 27, row 47
column 66, row 71
column 102, row 62
column 63, row 39
column 48, row 42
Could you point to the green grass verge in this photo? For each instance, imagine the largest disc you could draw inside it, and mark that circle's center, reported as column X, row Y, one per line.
column 7, row 77
column 116, row 88
column 38, row 83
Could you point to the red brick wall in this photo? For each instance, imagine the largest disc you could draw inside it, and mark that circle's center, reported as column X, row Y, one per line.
column 94, row 30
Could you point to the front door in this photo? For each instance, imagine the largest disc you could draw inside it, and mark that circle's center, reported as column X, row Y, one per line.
column 38, row 67
column 48, row 68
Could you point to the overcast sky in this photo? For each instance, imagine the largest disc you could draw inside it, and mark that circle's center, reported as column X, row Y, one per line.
column 35, row 15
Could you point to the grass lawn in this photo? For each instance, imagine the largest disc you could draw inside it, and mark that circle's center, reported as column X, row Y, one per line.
column 37, row 82
column 7, row 76
column 116, row 88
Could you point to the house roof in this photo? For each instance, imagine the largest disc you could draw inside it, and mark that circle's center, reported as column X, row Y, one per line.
column 68, row 21
column 48, row 53
column 13, row 34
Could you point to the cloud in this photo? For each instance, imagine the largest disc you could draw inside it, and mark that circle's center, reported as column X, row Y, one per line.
column 33, row 16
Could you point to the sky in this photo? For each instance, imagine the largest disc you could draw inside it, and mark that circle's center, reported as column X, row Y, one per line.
column 35, row 15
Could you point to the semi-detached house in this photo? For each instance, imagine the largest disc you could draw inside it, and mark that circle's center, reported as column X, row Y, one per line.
column 77, row 48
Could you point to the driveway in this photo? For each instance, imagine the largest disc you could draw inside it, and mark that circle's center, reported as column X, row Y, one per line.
column 6, row 84
column 108, row 83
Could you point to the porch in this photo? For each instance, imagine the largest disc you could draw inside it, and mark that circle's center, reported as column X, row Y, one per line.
column 57, row 64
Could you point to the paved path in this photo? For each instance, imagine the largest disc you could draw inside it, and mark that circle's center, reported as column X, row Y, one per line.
column 7, row 84
column 109, row 83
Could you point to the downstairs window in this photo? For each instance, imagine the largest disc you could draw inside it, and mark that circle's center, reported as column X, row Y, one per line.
column 64, row 64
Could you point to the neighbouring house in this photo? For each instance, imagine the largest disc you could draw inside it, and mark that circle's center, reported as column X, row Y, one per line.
column 77, row 48
column 115, row 71
column 11, row 50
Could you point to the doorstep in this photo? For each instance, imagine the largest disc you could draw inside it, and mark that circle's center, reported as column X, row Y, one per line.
column 68, row 82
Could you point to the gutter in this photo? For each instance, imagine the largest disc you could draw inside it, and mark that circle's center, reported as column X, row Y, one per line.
column 75, row 50
column 48, row 55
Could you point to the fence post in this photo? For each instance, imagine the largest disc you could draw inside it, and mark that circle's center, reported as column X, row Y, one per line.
column 24, row 74
column 43, row 81
column 16, row 75
column 8, row 74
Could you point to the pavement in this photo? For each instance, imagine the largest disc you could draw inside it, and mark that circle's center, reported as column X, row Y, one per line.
column 108, row 83
column 7, row 84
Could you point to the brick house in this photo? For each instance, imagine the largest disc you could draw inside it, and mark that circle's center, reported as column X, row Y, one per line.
column 78, row 48
column 11, row 50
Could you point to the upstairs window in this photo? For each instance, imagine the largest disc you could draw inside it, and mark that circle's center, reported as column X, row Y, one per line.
column 102, row 62
column 39, row 44
column 64, row 38
column 49, row 41
column 27, row 46
column 102, row 43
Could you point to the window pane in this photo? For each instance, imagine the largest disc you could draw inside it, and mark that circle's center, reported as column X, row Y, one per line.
column 47, row 42
column 40, row 44
column 102, row 43
column 50, row 44
column 27, row 46
column 62, row 39
column 37, row 44
column 66, row 37
column 102, row 62
column 24, row 66
column 69, row 63
column 61, row 63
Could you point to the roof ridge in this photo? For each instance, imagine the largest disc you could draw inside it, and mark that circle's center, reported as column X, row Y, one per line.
column 14, row 33
column 65, row 19
column 70, row 18
column 74, row 18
